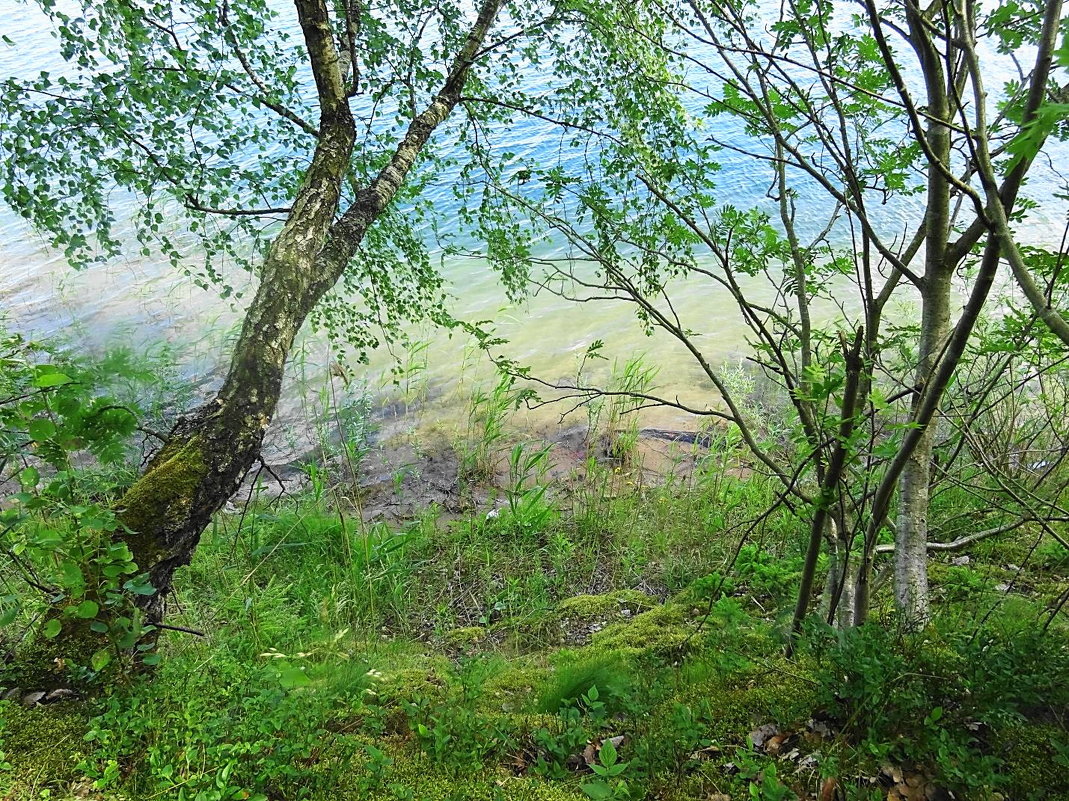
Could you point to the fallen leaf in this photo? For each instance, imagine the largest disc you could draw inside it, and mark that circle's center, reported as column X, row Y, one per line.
column 590, row 754
column 828, row 789
column 761, row 734
column 892, row 772
column 775, row 743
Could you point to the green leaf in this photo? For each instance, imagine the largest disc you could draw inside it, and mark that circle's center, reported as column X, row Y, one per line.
column 52, row 629
column 597, row 791
column 293, row 677
column 70, row 576
column 1027, row 143
column 29, row 477
column 86, row 610
column 100, row 659
column 41, row 430
column 139, row 587
column 8, row 616
column 1062, row 53
column 608, row 754
column 48, row 380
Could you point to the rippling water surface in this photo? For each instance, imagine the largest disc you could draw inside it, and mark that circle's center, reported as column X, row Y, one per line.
column 139, row 300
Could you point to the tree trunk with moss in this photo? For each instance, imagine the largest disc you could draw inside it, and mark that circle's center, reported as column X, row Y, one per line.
column 210, row 450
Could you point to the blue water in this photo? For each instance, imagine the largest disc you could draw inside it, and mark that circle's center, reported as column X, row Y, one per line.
column 142, row 299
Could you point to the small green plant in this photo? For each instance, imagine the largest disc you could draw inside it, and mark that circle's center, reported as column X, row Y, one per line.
column 611, row 421
column 608, row 785
column 961, row 583
column 629, row 382
column 765, row 784
column 451, row 730
column 599, row 685
column 411, row 374
column 486, row 427
column 527, row 511
column 556, row 744
column 5, row 765
column 925, row 697
column 228, row 731
column 766, row 574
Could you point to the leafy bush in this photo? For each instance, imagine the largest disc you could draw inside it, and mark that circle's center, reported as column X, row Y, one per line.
column 65, row 444
column 936, row 699
column 451, row 730
column 767, row 574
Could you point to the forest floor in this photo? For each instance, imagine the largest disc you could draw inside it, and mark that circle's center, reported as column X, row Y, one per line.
column 413, row 615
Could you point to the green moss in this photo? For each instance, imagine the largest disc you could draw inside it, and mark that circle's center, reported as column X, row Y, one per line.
column 407, row 684
column 412, row 775
column 612, row 604
column 43, row 664
column 43, row 746
column 512, row 689
column 464, row 639
column 162, row 494
column 664, row 630
column 1035, row 767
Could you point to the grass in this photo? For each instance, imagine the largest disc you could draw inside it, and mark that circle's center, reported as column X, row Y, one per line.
column 491, row 655
column 477, row 660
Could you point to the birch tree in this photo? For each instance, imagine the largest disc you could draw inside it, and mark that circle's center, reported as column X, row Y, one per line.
column 204, row 112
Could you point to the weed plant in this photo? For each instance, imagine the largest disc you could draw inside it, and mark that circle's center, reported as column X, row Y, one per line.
column 487, row 413
column 612, row 425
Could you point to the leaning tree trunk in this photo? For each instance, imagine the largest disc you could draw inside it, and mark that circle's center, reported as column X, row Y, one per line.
column 210, row 450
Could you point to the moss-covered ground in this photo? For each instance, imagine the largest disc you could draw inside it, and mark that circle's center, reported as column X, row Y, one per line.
column 493, row 656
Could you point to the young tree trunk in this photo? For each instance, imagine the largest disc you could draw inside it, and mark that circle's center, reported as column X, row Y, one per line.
column 911, row 528
column 840, row 583
column 911, row 531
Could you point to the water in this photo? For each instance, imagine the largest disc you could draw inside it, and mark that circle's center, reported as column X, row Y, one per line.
column 139, row 300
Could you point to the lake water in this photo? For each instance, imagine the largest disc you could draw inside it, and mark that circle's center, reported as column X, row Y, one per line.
column 142, row 301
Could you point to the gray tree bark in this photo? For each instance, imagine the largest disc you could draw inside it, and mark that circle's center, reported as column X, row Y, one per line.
column 911, row 535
